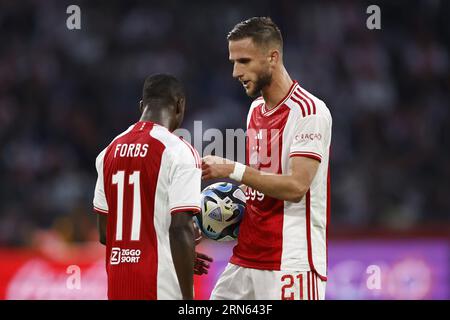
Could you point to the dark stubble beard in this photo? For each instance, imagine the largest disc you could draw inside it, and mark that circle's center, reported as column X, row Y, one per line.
column 263, row 80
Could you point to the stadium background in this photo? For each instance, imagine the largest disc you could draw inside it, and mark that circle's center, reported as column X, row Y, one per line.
column 64, row 94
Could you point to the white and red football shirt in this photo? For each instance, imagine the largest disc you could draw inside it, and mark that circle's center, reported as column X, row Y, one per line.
column 144, row 175
column 276, row 234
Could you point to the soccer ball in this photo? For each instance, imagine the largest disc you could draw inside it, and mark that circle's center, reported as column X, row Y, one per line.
column 223, row 206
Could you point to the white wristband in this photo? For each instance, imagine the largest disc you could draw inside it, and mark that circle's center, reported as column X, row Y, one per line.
column 238, row 172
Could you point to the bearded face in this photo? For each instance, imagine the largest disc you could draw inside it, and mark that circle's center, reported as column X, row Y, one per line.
column 262, row 80
column 250, row 65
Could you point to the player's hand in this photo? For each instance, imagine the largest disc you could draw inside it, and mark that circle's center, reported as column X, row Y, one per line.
column 216, row 167
column 201, row 264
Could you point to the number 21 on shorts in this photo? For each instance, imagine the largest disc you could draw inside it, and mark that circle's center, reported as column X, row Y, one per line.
column 292, row 287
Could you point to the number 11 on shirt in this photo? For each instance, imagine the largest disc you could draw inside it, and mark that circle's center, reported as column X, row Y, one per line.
column 119, row 179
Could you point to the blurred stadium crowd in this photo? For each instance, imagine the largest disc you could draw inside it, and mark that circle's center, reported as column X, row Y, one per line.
column 64, row 94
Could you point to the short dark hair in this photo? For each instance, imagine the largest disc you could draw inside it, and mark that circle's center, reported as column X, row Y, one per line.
column 163, row 89
column 262, row 30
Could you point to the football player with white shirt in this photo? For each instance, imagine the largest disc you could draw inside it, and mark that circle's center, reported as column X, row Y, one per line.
column 281, row 252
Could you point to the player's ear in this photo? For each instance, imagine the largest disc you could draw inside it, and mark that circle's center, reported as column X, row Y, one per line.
column 141, row 106
column 274, row 57
column 181, row 102
column 179, row 112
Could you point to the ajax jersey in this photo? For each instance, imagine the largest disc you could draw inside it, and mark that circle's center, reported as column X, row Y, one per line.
column 144, row 175
column 282, row 235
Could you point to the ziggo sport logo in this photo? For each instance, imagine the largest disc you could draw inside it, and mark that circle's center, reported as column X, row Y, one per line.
column 124, row 255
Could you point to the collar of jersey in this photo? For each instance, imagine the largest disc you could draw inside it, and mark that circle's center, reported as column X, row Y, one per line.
column 267, row 113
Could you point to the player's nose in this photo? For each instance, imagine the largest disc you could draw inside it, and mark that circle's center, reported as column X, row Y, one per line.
column 237, row 72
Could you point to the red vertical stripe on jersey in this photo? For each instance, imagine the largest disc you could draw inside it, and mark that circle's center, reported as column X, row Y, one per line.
column 316, row 280
column 309, row 284
column 301, row 97
column 313, row 280
column 300, row 279
column 300, row 105
column 313, row 276
column 310, row 99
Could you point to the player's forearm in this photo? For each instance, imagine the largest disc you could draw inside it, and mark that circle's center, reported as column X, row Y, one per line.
column 282, row 187
column 183, row 253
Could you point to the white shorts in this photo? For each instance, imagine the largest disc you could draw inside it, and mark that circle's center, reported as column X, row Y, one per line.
column 240, row 283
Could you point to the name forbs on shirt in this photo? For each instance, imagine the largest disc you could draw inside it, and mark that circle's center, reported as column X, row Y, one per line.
column 132, row 150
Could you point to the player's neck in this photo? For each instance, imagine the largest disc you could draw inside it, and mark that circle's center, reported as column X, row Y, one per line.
column 278, row 89
column 156, row 117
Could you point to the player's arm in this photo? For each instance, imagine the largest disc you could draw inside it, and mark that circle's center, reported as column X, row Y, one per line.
column 182, row 245
column 100, row 204
column 101, row 226
column 291, row 187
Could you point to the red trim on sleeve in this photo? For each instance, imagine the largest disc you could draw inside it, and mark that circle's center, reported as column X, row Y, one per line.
column 193, row 209
column 311, row 155
column 99, row 211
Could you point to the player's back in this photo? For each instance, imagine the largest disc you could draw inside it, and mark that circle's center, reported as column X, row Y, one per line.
column 139, row 171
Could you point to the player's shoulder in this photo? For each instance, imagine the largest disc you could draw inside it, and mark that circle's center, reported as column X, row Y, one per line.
column 307, row 104
column 164, row 136
column 100, row 157
column 172, row 142
column 177, row 148
column 321, row 106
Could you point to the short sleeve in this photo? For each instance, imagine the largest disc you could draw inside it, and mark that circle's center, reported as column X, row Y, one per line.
column 185, row 184
column 310, row 137
column 100, row 204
